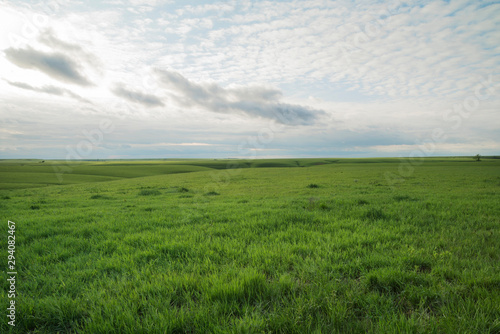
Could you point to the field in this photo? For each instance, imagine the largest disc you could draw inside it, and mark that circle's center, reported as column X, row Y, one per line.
column 266, row 246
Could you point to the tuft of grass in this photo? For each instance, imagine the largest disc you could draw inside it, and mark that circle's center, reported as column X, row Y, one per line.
column 401, row 198
column 388, row 281
column 418, row 265
column 375, row 214
column 212, row 193
column 362, row 202
column 5, row 197
column 312, row 185
column 315, row 204
column 323, row 206
column 183, row 190
column 98, row 196
column 35, row 207
column 149, row 192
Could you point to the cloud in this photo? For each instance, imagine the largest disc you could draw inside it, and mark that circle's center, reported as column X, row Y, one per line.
column 136, row 96
column 219, row 7
column 421, row 150
column 250, row 100
column 149, row 2
column 52, row 90
column 170, row 144
column 55, row 65
column 48, row 38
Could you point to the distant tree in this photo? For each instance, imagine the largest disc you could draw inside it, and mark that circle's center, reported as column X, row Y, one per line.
column 477, row 157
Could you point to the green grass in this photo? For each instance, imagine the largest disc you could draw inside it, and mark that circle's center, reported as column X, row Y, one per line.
column 256, row 249
column 15, row 175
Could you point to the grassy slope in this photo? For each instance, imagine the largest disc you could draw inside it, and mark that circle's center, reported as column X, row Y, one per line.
column 22, row 174
column 268, row 254
column 35, row 174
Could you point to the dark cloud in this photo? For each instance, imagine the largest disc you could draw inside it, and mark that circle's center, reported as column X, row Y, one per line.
column 48, row 38
column 53, row 90
column 291, row 114
column 253, row 101
column 256, row 93
column 137, row 97
column 55, row 65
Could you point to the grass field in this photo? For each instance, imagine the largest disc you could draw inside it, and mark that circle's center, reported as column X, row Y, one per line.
column 267, row 246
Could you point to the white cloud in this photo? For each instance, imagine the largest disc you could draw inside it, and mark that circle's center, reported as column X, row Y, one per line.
column 152, row 3
column 157, row 145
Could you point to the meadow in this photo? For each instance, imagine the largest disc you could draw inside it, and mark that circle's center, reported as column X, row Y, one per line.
column 254, row 246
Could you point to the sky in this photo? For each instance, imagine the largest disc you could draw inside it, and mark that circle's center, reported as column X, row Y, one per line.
column 136, row 79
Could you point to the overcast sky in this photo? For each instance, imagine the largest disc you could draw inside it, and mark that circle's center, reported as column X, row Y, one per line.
column 248, row 79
